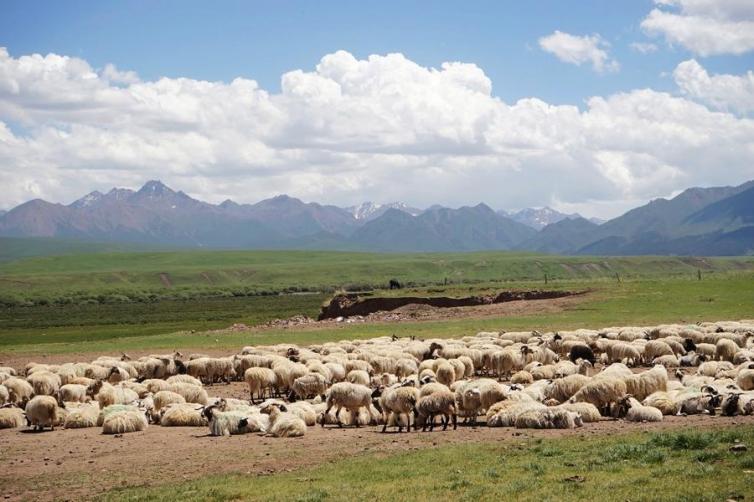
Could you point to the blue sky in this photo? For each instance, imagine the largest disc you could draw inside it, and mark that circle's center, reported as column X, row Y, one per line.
column 262, row 40
column 551, row 104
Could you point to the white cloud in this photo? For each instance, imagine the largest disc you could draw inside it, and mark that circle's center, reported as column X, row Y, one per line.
column 382, row 128
column 577, row 50
column 724, row 92
column 643, row 47
column 704, row 27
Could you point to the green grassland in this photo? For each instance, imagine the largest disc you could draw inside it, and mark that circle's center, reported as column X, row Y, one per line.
column 167, row 324
column 677, row 465
column 181, row 275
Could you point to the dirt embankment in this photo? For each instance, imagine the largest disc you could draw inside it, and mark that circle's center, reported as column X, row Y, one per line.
column 349, row 305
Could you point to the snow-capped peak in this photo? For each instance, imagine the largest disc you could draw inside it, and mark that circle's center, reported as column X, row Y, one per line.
column 367, row 211
column 87, row 200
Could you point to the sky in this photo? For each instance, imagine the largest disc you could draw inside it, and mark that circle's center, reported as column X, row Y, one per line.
column 585, row 106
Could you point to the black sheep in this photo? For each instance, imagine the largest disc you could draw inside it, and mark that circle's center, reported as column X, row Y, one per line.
column 581, row 352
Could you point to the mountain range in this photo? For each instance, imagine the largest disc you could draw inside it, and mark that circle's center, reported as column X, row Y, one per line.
column 699, row 221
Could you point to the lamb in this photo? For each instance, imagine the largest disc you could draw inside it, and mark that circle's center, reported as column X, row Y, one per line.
column 84, row 416
column 182, row 415
column 259, row 380
column 125, row 421
column 284, row 423
column 348, row 395
column 42, row 411
column 548, row 419
column 399, row 401
column 634, row 411
column 725, row 349
column 438, row 403
column 11, row 417
column 305, row 386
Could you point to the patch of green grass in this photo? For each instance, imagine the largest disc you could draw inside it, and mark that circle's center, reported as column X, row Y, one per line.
column 474, row 472
column 639, row 302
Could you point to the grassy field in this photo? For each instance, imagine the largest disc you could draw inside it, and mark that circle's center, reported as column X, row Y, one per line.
column 677, row 465
column 151, row 276
column 637, row 302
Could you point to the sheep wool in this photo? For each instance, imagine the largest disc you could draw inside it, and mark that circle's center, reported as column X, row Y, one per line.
column 122, row 422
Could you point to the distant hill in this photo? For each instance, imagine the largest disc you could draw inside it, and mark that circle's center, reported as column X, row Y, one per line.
column 711, row 221
column 14, row 248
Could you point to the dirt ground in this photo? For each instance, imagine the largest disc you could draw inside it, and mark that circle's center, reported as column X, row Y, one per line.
column 81, row 463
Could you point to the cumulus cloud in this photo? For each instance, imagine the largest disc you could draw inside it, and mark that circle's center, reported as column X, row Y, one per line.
column 381, row 128
column 578, row 50
column 723, row 92
column 704, row 27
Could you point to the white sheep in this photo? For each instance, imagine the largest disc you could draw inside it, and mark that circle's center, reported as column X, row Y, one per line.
column 441, row 402
column 348, row 395
column 313, row 384
column 83, row 416
column 182, row 415
column 73, row 392
column 125, row 421
column 44, row 383
column 725, row 349
column 284, row 423
column 548, row 418
column 11, row 417
column 399, row 401
column 19, row 390
column 42, row 411
column 637, row 412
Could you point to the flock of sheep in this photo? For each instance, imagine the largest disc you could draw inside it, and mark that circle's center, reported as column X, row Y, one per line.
column 515, row 379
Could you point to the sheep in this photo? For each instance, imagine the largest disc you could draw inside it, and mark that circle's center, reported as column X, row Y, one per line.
column 111, row 409
column 445, row 373
column 431, row 388
column 259, row 380
column 745, row 379
column 587, row 411
column 581, row 351
column 563, row 388
column 522, row 377
column 182, row 415
column 106, row 394
column 669, row 361
column 696, row 402
column 284, row 423
column 165, row 398
column 122, row 422
column 437, row 403
column 347, row 395
column 183, row 379
column 44, row 383
column 399, row 401
column 634, row 411
column 656, row 348
column 191, row 393
column 643, row 384
column 548, row 419
column 219, row 369
column 11, row 417
column 360, row 377
column 305, row 386
column 725, row 349
column 711, row 368
column 225, row 423
column 621, row 351
column 706, row 349
column 155, row 385
column 730, row 405
column 73, row 392
column 42, row 411
column 507, row 414
column 663, row 401
column 601, row 392
column 19, row 390
column 4, row 395
column 84, row 416
column 477, row 396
